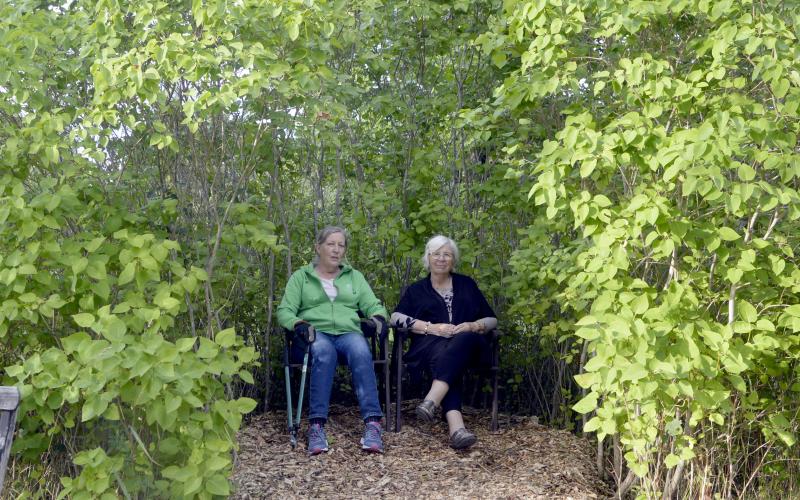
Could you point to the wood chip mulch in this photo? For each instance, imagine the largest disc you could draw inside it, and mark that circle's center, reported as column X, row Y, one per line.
column 521, row 460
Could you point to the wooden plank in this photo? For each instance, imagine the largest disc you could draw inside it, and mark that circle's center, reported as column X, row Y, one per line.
column 8, row 431
column 9, row 401
column 9, row 398
column 5, row 416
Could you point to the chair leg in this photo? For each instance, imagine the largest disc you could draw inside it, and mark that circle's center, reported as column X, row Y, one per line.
column 387, row 400
column 495, row 375
column 398, row 418
column 494, row 425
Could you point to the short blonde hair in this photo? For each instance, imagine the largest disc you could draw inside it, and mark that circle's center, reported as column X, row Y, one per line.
column 436, row 243
column 323, row 235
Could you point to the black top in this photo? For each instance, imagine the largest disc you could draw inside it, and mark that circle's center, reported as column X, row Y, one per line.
column 421, row 302
column 424, row 303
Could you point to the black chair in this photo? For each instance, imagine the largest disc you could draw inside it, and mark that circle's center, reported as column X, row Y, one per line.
column 401, row 335
column 380, row 359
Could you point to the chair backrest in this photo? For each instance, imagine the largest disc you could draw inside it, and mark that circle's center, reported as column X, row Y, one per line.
column 9, row 402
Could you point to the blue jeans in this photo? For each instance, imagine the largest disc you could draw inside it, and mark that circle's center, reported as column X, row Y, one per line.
column 352, row 348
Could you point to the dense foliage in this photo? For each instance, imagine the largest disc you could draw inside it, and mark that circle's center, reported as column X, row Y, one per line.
column 621, row 176
column 670, row 196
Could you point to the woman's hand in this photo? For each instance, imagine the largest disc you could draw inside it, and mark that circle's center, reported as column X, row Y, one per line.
column 442, row 329
column 469, row 326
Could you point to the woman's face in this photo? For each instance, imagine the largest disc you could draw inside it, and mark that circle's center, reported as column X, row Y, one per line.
column 441, row 260
column 331, row 251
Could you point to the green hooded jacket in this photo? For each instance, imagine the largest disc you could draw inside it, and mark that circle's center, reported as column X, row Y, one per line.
column 305, row 300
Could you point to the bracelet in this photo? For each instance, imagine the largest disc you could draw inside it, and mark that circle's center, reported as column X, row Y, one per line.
column 427, row 324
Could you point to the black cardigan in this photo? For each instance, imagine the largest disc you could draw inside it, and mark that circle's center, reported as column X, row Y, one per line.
column 424, row 303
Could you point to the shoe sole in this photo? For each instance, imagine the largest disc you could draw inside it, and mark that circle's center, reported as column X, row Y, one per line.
column 370, row 449
column 312, row 453
column 464, row 443
column 424, row 415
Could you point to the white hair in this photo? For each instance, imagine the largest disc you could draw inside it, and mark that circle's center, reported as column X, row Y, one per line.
column 436, row 243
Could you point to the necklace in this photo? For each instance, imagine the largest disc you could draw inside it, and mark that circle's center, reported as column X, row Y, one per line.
column 445, row 287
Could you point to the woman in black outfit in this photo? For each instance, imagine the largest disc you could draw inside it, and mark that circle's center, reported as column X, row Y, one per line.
column 448, row 316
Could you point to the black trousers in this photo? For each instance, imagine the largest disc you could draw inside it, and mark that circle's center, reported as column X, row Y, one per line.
column 447, row 359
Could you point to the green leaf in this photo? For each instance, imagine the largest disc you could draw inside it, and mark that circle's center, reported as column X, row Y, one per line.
column 592, row 425
column 217, row 462
column 787, row 437
column 192, row 485
column 226, row 338
column 79, row 265
column 585, row 380
column 246, row 376
column 728, row 234
column 734, row 275
column 113, row 328
column 293, row 28
column 587, row 167
column 246, row 405
column 207, row 349
column 180, row 474
column 96, row 269
column 734, row 362
column 26, row 270
column 84, row 320
column 499, row 58
column 778, row 264
column 747, row 311
column 634, row 372
column 53, row 202
column 640, row 304
column 74, row 342
column 93, row 407
column 218, row 485
column 127, row 274
column 167, row 302
column 746, row 172
column 185, row 344
column 587, row 404
column 94, row 244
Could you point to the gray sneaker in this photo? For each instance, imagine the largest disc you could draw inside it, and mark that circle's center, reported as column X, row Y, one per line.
column 372, row 440
column 462, row 439
column 317, row 441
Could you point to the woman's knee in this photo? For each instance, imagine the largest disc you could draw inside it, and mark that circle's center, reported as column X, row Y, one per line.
column 323, row 352
column 468, row 339
column 358, row 353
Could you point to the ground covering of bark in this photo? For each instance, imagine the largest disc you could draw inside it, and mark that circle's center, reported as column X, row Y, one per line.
column 521, row 460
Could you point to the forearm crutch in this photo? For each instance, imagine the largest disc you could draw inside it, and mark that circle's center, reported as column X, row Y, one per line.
column 294, row 422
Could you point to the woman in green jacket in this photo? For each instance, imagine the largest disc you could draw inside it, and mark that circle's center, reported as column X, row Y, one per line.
column 328, row 295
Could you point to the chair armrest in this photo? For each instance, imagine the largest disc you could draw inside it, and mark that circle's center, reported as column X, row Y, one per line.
column 368, row 327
